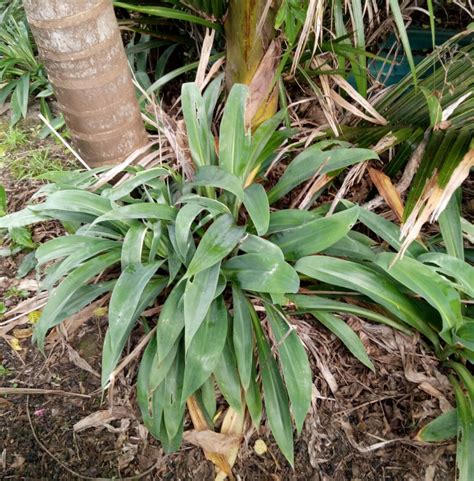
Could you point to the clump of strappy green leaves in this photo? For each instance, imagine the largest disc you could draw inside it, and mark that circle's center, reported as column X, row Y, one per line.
column 208, row 248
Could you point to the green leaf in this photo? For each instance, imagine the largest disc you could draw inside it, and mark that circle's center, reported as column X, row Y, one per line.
column 19, row 98
column 434, row 107
column 139, row 179
column 369, row 282
column 242, row 334
column 161, row 367
column 253, row 244
column 309, row 303
column 227, row 377
column 465, row 444
column 217, row 242
column 184, row 220
column 67, row 245
column 441, row 429
column 452, row 267
column 464, row 335
column 256, row 203
column 206, row 348
column 398, row 18
column 316, row 235
column 313, row 160
column 3, row 201
column 170, row 322
column 197, row 299
column 62, row 295
column 294, row 363
column 348, row 337
column 233, row 143
column 277, row 403
column 132, row 247
column 253, row 397
column 21, row 218
column 450, row 226
column 200, row 139
column 115, row 340
column 282, row 220
column 172, row 400
column 143, row 210
column 213, row 176
column 126, row 297
column 166, row 12
column 255, row 272
column 80, row 201
column 432, row 287
column 21, row 236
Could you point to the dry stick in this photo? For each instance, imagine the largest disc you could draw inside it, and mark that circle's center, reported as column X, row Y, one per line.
column 56, row 133
column 28, row 391
column 67, row 468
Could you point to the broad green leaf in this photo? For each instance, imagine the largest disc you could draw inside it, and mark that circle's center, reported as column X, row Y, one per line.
column 186, row 216
column 217, row 242
column 242, row 334
column 253, row 244
column 171, row 321
column 143, row 210
column 260, row 140
column 348, row 337
column 212, row 205
column 452, row 267
column 227, row 377
column 206, row 348
column 201, row 141
column 211, row 96
column 197, row 299
column 172, row 400
column 464, row 335
column 369, row 282
column 141, row 178
column 208, row 399
column 22, row 218
column 21, row 236
column 349, row 246
column 74, row 260
column 233, row 141
column 3, row 201
column 126, row 297
column 441, row 429
column 277, row 403
column 282, row 220
column 19, row 98
column 313, row 160
column 306, row 303
column 434, row 107
column 111, row 350
column 132, row 247
column 213, row 176
column 160, row 367
column 431, row 286
column 253, row 397
column 256, row 203
column 80, row 201
column 63, row 294
column 388, row 231
column 166, row 12
column 450, row 226
column 294, row 363
column 67, row 245
column 143, row 388
column 316, row 235
column 465, row 434
column 255, row 272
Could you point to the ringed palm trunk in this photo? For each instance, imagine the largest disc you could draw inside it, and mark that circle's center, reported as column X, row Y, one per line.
column 253, row 54
column 80, row 45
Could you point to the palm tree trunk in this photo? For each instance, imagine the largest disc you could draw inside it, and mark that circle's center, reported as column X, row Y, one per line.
column 80, row 44
column 253, row 54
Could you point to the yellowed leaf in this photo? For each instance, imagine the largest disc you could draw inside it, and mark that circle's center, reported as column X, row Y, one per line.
column 33, row 317
column 388, row 191
column 260, row 447
column 23, row 333
column 15, row 344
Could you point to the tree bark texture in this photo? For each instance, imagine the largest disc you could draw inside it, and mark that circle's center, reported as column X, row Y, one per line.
column 253, row 54
column 80, row 44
